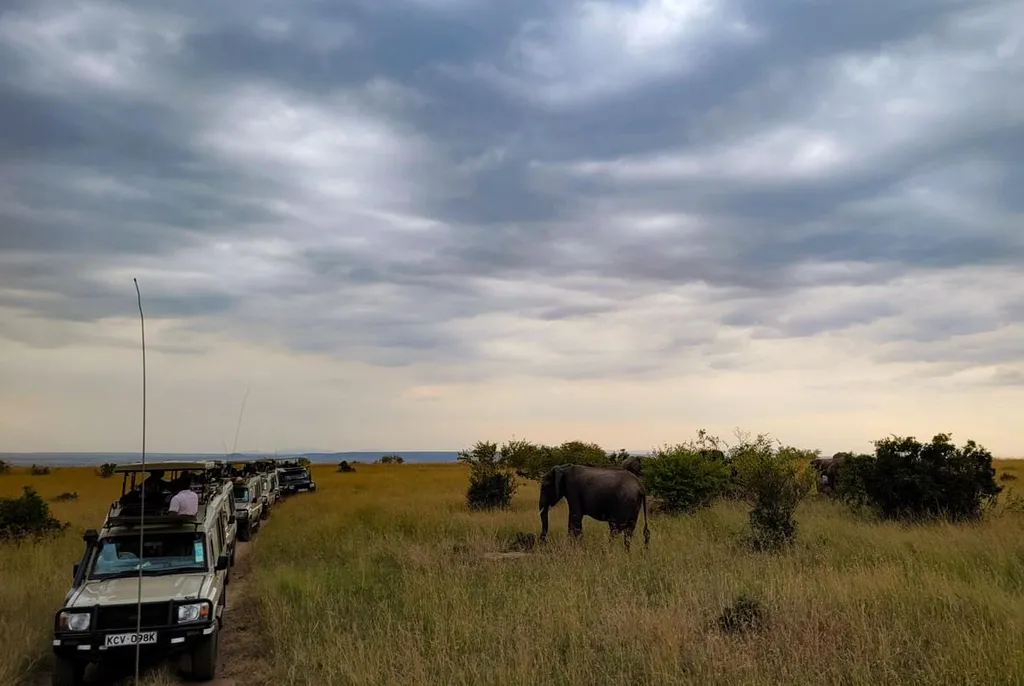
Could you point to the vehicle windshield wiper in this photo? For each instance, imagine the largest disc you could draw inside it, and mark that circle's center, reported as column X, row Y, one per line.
column 147, row 572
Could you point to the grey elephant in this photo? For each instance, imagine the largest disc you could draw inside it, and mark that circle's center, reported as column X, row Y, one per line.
column 633, row 464
column 828, row 470
column 606, row 494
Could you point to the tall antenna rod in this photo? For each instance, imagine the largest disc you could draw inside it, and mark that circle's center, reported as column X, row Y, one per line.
column 142, row 517
column 238, row 426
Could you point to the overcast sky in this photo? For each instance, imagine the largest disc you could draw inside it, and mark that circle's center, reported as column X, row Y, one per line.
column 414, row 225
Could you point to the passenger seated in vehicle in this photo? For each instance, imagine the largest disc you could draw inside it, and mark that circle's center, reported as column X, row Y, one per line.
column 157, row 492
column 185, row 501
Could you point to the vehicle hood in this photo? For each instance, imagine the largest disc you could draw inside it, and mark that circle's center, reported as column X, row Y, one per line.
column 154, row 589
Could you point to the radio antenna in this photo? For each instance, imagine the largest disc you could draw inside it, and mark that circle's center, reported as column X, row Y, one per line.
column 142, row 517
column 238, row 426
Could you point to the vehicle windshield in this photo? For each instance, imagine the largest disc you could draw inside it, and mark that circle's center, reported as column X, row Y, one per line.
column 162, row 553
column 294, row 474
column 241, row 494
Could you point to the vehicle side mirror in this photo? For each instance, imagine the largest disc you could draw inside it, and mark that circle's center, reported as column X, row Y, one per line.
column 222, row 562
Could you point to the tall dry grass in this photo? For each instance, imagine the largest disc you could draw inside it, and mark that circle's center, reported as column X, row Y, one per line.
column 379, row 578
column 383, row 581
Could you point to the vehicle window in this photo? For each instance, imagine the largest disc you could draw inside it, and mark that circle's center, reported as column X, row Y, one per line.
column 161, row 553
column 241, row 494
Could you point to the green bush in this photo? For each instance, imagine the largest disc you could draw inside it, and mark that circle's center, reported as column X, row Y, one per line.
column 106, row 470
column 39, row 470
column 27, row 516
column 5, row 467
column 774, row 481
column 531, row 461
column 909, row 480
column 491, row 485
column 391, row 459
column 683, row 478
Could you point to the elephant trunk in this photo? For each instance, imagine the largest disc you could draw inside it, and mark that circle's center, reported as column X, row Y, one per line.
column 543, row 523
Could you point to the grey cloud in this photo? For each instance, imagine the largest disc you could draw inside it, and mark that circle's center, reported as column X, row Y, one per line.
column 100, row 180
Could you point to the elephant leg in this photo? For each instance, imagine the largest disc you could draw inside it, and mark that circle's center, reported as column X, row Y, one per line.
column 576, row 525
column 627, row 533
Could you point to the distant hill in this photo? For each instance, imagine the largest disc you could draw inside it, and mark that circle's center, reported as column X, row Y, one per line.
column 88, row 459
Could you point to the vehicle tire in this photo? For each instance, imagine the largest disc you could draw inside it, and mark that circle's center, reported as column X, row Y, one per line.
column 68, row 672
column 245, row 532
column 204, row 658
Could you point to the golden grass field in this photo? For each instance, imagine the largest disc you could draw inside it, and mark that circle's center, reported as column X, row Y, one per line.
column 379, row 578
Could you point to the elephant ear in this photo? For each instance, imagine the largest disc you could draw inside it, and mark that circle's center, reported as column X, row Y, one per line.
column 559, row 471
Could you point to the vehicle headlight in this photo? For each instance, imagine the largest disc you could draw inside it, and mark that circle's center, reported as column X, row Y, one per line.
column 75, row 621
column 193, row 612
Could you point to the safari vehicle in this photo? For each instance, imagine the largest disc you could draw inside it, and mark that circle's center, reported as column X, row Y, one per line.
column 267, row 468
column 250, row 501
column 149, row 578
column 294, row 478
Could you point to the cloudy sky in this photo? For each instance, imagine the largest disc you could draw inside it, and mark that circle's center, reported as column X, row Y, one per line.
column 415, row 224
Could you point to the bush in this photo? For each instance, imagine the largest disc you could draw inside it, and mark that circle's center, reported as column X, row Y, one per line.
column 344, row 466
column 27, row 516
column 65, row 497
column 106, row 470
column 5, row 467
column 743, row 615
column 683, row 478
column 391, row 459
column 910, row 480
column 532, row 461
column 39, row 470
column 774, row 482
column 491, row 485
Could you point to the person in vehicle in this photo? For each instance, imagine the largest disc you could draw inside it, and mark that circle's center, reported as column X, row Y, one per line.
column 156, row 490
column 185, row 501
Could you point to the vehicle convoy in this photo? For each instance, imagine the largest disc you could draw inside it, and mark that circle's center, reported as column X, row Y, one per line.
column 250, row 501
column 150, row 577
column 267, row 469
column 294, row 477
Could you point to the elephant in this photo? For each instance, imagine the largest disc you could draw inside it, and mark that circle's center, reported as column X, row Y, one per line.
column 828, row 470
column 606, row 494
column 633, row 464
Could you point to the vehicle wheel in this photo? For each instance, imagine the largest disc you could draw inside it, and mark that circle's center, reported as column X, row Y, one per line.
column 204, row 658
column 245, row 532
column 68, row 672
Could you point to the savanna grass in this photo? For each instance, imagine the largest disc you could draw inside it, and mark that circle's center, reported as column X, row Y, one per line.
column 383, row 581
column 379, row 578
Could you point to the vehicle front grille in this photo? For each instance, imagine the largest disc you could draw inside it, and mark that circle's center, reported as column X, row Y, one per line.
column 126, row 616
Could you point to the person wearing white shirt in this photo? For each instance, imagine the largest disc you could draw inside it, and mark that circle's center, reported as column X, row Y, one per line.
column 185, row 502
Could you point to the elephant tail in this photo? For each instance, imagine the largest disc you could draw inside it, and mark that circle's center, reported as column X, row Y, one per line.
column 647, row 531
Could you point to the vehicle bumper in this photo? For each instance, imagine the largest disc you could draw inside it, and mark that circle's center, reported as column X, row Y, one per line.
column 89, row 646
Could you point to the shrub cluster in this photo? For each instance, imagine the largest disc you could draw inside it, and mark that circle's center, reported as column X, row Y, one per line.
column 910, row 480
column 27, row 516
column 491, row 484
column 344, row 466
column 106, row 470
column 39, row 470
column 902, row 479
column 5, row 467
column 391, row 459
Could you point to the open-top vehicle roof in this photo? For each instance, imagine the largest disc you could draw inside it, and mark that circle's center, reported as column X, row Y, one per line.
column 166, row 466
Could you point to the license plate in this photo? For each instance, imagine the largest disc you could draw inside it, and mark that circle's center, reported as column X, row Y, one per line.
column 144, row 638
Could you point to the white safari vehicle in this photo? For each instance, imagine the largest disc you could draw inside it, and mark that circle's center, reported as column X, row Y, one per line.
column 180, row 562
